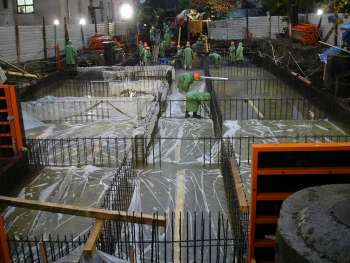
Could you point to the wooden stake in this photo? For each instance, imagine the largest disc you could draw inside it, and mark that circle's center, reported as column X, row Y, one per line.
column 18, row 48
column 131, row 254
column 179, row 38
column 90, row 244
column 44, row 39
column 42, row 252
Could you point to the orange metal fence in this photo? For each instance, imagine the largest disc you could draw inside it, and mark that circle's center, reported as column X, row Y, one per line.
column 278, row 171
column 11, row 140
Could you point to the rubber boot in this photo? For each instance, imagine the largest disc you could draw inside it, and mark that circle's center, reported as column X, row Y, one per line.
column 187, row 115
column 196, row 116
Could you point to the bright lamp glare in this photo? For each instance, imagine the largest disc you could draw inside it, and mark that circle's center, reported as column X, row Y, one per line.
column 126, row 11
column 319, row 12
column 56, row 22
column 82, row 21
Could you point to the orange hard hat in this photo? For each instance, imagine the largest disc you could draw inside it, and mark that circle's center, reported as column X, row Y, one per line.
column 188, row 43
column 178, row 46
column 232, row 42
column 196, row 76
column 145, row 44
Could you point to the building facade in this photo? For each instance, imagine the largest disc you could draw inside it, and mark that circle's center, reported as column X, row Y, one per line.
column 31, row 12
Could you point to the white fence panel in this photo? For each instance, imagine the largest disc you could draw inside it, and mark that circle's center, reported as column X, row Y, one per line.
column 7, row 50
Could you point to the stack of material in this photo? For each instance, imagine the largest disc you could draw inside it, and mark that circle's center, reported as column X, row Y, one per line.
column 195, row 26
column 306, row 34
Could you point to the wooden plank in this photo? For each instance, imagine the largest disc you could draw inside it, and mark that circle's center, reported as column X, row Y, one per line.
column 305, row 171
column 266, row 220
column 90, row 244
column 242, row 200
column 265, row 243
column 97, row 213
column 272, row 196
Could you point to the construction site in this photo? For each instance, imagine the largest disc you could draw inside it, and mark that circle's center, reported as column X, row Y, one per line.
column 186, row 138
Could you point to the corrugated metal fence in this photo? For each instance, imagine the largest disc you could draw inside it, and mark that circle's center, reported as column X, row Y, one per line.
column 29, row 43
column 264, row 26
column 236, row 28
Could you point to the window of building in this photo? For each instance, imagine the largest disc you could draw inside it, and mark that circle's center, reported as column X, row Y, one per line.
column 25, row 6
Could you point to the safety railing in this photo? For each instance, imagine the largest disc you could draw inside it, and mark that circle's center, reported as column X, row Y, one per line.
column 119, row 194
column 88, row 110
column 239, row 70
column 128, row 72
column 269, row 109
column 101, row 152
column 101, row 88
column 176, row 109
column 184, row 151
column 253, row 88
column 188, row 237
column 241, row 146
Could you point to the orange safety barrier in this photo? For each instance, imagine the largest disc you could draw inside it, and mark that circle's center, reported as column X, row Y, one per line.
column 4, row 247
column 11, row 140
column 278, row 171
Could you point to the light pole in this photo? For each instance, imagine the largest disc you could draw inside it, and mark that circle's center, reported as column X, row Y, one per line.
column 82, row 23
column 56, row 23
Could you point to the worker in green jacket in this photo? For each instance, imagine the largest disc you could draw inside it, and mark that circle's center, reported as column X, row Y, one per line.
column 239, row 52
column 152, row 35
column 71, row 55
column 215, row 59
column 188, row 56
column 140, row 49
column 179, row 56
column 195, row 99
column 185, row 81
column 167, row 38
column 198, row 47
column 146, row 56
column 232, row 53
column 162, row 49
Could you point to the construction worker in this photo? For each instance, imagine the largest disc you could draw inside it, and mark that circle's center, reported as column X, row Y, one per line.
column 167, row 37
column 239, row 52
column 198, row 47
column 162, row 49
column 215, row 59
column 140, row 50
column 195, row 99
column 146, row 56
column 185, row 81
column 152, row 35
column 232, row 53
column 179, row 56
column 188, row 56
column 71, row 55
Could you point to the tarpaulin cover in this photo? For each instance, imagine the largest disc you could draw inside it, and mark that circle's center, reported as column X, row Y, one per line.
column 345, row 26
column 329, row 51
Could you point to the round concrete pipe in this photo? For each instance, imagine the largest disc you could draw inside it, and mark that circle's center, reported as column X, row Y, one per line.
column 314, row 226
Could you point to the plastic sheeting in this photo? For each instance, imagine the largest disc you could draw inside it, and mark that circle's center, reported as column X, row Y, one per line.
column 98, row 257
